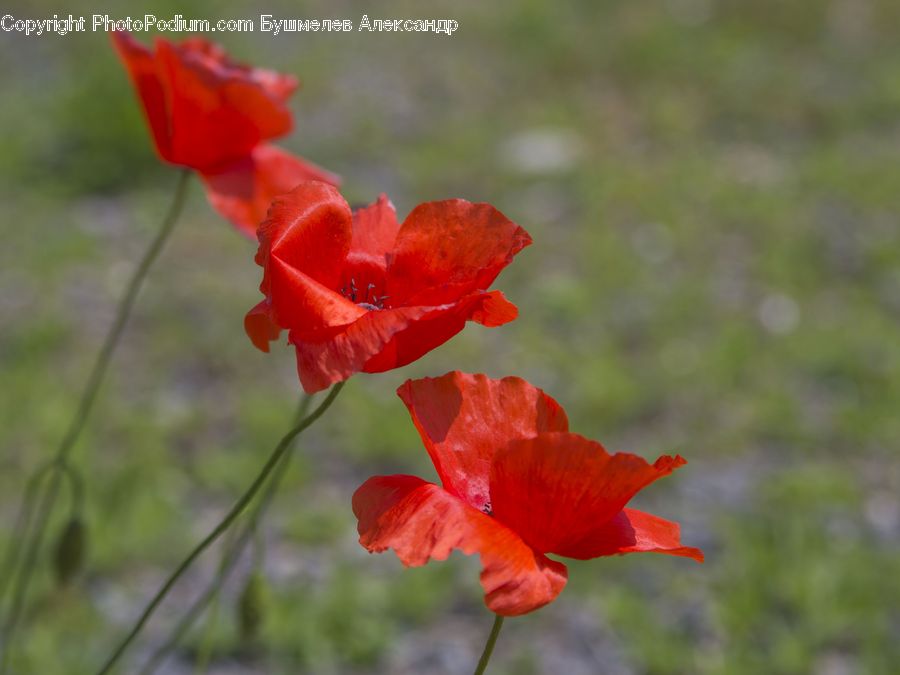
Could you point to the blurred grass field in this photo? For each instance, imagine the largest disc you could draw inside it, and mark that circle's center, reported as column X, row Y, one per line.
column 714, row 193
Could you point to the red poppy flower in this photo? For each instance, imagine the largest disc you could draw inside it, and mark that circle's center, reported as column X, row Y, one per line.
column 212, row 115
column 516, row 485
column 359, row 292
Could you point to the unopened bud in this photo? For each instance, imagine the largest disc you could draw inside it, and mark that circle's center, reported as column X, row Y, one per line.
column 252, row 606
column 70, row 551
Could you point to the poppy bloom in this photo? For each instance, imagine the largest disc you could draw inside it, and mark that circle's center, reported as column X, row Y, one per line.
column 213, row 115
column 516, row 485
column 359, row 292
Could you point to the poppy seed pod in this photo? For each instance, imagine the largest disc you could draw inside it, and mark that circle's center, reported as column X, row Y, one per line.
column 71, row 548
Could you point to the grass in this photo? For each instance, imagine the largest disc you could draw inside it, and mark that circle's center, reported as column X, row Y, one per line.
column 713, row 191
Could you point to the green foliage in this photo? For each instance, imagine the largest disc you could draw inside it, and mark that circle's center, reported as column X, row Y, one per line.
column 713, row 190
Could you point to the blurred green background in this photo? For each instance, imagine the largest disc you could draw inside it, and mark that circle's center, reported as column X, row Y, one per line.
column 714, row 193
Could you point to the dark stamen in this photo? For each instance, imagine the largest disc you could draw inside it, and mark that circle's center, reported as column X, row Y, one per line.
column 370, row 300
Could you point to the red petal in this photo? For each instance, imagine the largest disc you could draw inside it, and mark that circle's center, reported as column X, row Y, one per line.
column 437, row 326
column 142, row 69
column 421, row 521
column 495, row 311
column 381, row 340
column 243, row 190
column 560, row 490
column 309, row 228
column 375, row 229
column 336, row 356
column 303, row 244
column 301, row 303
column 213, row 58
column 633, row 531
column 464, row 419
column 447, row 249
column 260, row 326
column 217, row 114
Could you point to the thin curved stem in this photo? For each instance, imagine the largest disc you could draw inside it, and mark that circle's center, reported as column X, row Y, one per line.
column 283, row 446
column 226, row 567
column 229, row 560
column 126, row 304
column 23, row 518
column 26, row 508
column 85, row 404
column 205, row 651
column 489, row 646
column 76, row 485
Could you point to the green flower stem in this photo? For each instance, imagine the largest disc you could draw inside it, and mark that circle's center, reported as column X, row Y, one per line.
column 489, row 646
column 60, row 464
column 206, row 648
column 76, row 485
column 274, row 459
column 23, row 518
column 230, row 557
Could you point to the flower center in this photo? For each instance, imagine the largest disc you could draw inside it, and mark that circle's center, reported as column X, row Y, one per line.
column 366, row 296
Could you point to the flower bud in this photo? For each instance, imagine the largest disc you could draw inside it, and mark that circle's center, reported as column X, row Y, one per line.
column 70, row 550
column 252, row 606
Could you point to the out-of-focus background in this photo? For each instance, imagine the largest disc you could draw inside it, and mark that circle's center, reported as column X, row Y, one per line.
column 714, row 192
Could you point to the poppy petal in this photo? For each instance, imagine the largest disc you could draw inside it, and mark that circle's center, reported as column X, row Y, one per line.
column 449, row 248
column 420, row 522
column 301, row 303
column 142, row 68
column 217, row 114
column 329, row 357
column 375, row 229
column 213, row 58
column 578, row 486
column 306, row 235
column 309, row 229
column 437, row 326
column 495, row 311
column 243, row 190
column 381, row 340
column 464, row 419
column 633, row 531
column 260, row 327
